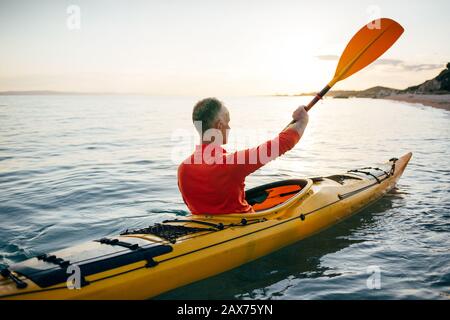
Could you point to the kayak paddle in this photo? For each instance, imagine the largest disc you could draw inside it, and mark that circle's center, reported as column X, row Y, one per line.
column 365, row 47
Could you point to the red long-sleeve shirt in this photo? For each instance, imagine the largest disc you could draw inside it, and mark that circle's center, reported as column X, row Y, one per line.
column 211, row 180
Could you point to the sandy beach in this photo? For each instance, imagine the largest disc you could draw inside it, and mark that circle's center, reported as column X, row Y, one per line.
column 441, row 101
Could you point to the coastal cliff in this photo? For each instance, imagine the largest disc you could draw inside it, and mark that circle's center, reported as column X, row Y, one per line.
column 434, row 92
column 437, row 85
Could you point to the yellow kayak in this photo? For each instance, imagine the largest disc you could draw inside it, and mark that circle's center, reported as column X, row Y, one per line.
column 143, row 263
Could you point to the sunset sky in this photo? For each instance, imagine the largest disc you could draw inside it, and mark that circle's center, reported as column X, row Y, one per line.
column 211, row 47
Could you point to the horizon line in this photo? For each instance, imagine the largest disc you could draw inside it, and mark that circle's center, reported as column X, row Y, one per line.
column 57, row 92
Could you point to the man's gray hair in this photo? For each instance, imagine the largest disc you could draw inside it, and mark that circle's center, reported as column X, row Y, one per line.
column 205, row 113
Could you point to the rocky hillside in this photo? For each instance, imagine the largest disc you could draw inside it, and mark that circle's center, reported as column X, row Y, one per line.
column 438, row 85
column 375, row 92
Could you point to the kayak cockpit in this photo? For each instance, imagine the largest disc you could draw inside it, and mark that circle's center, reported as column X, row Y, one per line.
column 268, row 199
column 271, row 195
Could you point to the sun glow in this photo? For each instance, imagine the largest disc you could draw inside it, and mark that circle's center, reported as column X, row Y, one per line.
column 206, row 48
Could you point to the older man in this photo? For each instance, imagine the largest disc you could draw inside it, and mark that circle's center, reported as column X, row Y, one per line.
column 211, row 180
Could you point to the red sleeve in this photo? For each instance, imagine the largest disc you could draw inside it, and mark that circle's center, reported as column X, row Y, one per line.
column 247, row 161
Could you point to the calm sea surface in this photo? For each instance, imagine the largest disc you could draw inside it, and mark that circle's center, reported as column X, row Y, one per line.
column 76, row 168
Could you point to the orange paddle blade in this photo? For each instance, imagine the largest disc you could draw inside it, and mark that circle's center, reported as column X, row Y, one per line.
column 366, row 46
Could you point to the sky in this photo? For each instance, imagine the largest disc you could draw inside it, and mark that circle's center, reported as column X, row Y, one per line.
column 211, row 47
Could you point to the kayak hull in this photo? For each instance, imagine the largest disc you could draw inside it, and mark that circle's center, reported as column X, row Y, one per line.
column 321, row 203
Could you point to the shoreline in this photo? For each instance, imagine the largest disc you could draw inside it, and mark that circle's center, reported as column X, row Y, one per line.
column 432, row 100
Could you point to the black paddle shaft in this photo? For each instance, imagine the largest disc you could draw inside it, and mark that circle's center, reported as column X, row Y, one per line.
column 316, row 98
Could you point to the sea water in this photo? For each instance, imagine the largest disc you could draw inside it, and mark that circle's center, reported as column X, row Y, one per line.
column 76, row 167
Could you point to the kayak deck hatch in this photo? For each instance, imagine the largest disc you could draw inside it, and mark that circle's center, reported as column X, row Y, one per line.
column 101, row 255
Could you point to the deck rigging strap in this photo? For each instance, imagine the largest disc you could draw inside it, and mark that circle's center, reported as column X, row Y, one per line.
column 366, row 173
column 53, row 259
column 218, row 226
column 167, row 231
column 172, row 232
column 6, row 273
column 393, row 160
column 387, row 174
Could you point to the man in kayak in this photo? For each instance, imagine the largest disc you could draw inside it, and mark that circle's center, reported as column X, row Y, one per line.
column 211, row 180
